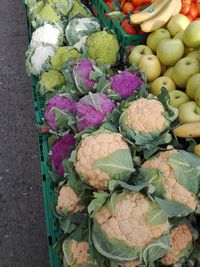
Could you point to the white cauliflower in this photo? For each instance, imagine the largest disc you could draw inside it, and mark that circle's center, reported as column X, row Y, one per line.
column 47, row 34
column 36, row 59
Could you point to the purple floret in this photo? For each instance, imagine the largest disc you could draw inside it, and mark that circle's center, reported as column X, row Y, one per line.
column 92, row 110
column 61, row 103
column 61, row 150
column 82, row 74
column 126, row 83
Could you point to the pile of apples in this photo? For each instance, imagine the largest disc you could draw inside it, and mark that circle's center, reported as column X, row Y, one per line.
column 171, row 59
column 191, row 9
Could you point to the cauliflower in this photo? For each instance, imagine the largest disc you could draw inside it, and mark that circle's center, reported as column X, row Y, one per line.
column 176, row 168
column 81, row 75
column 61, row 150
column 78, row 29
column 92, row 109
column 45, row 14
column 103, row 47
column 121, row 228
column 50, row 80
column 126, row 83
column 181, row 241
column 58, row 102
column 68, row 201
column 62, row 55
column 62, row 7
column 76, row 253
column 78, row 10
column 146, row 122
column 102, row 157
column 38, row 59
column 48, row 35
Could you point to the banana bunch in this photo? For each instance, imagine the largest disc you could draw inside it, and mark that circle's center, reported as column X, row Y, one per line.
column 157, row 14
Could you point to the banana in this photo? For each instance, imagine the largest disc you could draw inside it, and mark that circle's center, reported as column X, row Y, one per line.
column 197, row 150
column 177, row 8
column 149, row 12
column 160, row 20
column 188, row 130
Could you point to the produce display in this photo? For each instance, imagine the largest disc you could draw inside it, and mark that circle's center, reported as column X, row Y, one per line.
column 123, row 132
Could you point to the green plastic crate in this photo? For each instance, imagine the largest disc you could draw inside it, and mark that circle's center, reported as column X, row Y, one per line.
column 52, row 224
column 100, row 9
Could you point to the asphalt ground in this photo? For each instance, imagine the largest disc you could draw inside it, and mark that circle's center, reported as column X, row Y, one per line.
column 22, row 224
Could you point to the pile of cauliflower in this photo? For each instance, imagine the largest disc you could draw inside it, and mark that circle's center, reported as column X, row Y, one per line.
column 127, row 192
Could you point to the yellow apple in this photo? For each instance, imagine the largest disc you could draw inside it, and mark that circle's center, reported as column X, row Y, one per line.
column 137, row 52
column 179, row 35
column 183, row 70
column 177, row 23
column 189, row 112
column 197, row 95
column 187, row 50
column 155, row 37
column 192, row 85
column 161, row 82
column 177, row 98
column 150, row 65
column 169, row 51
column 194, row 54
column 169, row 72
column 191, row 36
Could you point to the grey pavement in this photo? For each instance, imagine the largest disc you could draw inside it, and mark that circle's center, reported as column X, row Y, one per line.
column 22, row 224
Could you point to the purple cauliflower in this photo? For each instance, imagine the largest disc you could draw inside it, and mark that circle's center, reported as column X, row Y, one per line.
column 62, row 103
column 126, row 83
column 92, row 110
column 61, row 150
column 81, row 73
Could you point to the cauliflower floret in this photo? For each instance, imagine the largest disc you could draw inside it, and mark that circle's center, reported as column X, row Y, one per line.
column 129, row 222
column 103, row 47
column 68, row 200
column 48, row 35
column 180, row 240
column 174, row 190
column 94, row 148
column 140, row 118
column 38, row 58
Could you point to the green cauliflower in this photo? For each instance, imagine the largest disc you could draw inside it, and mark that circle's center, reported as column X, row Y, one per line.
column 50, row 80
column 103, row 47
column 79, row 10
column 63, row 54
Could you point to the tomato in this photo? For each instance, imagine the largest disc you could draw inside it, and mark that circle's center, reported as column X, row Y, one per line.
column 128, row 28
column 190, row 18
column 146, row 2
column 198, row 18
column 194, row 12
column 185, row 9
column 109, row 4
column 137, row 2
column 127, row 8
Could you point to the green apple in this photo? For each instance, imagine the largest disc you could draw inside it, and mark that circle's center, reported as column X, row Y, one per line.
column 177, row 98
column 169, row 51
column 137, row 52
column 191, row 36
column 197, row 95
column 150, row 65
column 194, row 54
column 187, row 50
column 183, row 70
column 189, row 112
column 169, row 72
column 192, row 85
column 161, row 82
column 179, row 35
column 177, row 23
column 155, row 37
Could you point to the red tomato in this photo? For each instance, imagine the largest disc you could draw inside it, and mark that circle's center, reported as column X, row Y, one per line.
column 128, row 28
column 198, row 18
column 146, row 2
column 137, row 2
column 127, row 8
column 185, row 9
column 190, row 18
column 194, row 12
